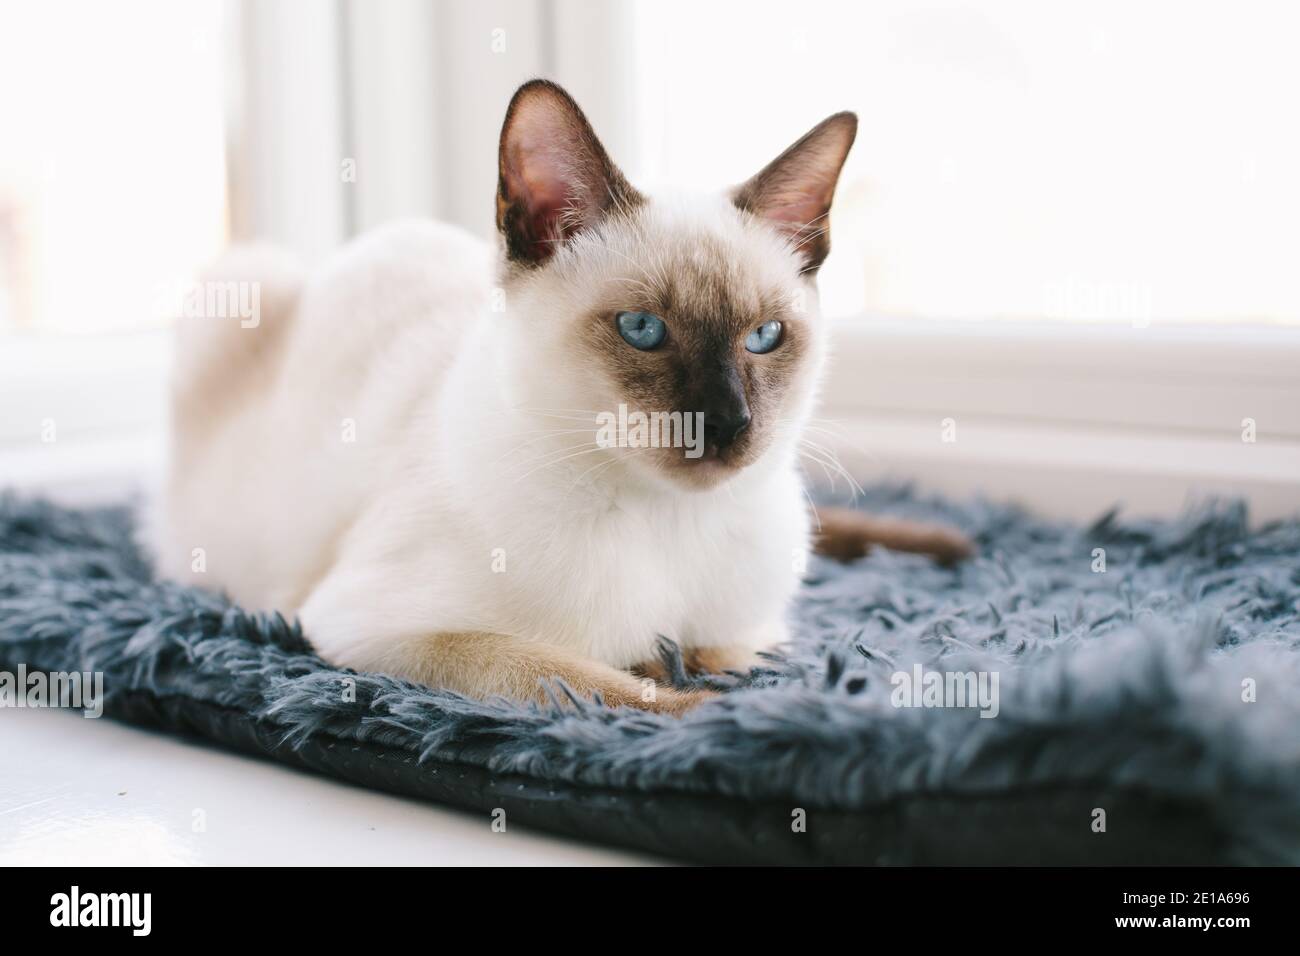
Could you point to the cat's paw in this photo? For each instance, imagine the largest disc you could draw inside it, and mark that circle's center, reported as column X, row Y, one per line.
column 721, row 660
column 677, row 702
column 661, row 698
column 697, row 668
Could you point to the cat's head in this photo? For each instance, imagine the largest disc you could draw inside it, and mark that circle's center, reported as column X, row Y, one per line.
column 622, row 303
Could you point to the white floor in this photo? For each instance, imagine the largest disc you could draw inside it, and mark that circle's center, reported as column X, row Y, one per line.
column 78, row 791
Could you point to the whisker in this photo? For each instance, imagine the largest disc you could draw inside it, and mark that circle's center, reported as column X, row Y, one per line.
column 834, row 463
column 825, row 470
column 552, row 464
column 813, row 505
column 554, row 434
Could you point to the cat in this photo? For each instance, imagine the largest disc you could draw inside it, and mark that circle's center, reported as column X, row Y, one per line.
column 403, row 450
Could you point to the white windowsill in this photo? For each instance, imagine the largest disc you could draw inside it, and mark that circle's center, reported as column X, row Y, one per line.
column 1071, row 419
column 83, row 418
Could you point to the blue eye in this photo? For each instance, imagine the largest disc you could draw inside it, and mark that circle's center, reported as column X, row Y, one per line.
column 764, row 338
column 641, row 330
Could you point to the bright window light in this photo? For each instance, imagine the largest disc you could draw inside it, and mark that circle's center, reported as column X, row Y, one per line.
column 1109, row 161
column 112, row 172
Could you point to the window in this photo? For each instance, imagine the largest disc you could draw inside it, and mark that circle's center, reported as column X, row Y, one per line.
column 1116, row 161
column 112, row 172
column 1112, row 184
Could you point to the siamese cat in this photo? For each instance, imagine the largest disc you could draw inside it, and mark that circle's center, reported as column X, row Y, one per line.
column 410, row 449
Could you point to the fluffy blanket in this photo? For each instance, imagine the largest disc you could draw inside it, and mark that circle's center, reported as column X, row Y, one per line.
column 1139, row 684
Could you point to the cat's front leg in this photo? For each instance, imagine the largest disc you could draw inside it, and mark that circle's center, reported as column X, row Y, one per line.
column 486, row 665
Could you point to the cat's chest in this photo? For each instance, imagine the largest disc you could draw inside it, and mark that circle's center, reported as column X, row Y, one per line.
column 611, row 583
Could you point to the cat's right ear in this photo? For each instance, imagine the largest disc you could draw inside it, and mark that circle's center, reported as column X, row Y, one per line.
column 555, row 177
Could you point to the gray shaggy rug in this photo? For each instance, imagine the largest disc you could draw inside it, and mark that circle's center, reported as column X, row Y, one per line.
column 1146, row 713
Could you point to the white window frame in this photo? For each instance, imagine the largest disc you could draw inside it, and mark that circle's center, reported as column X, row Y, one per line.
column 1071, row 419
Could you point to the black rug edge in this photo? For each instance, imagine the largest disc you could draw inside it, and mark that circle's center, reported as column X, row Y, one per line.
column 1041, row 826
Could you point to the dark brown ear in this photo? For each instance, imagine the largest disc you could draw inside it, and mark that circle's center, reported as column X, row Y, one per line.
column 555, row 177
column 793, row 192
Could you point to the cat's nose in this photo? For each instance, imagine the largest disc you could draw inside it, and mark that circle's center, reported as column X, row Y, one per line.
column 721, row 429
column 726, row 412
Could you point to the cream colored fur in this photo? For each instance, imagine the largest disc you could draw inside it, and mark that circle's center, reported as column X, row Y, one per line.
column 455, row 508
column 401, row 452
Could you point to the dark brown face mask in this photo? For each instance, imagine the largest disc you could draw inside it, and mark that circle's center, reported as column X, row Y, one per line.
column 703, row 339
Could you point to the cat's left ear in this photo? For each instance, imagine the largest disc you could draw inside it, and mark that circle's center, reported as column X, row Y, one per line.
column 555, row 177
column 793, row 193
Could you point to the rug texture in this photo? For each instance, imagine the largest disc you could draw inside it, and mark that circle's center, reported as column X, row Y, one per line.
column 1147, row 711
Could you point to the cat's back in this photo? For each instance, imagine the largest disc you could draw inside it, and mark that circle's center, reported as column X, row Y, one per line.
column 360, row 348
column 413, row 274
column 376, row 330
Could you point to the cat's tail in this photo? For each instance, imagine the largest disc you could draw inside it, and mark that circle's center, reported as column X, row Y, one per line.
column 846, row 534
